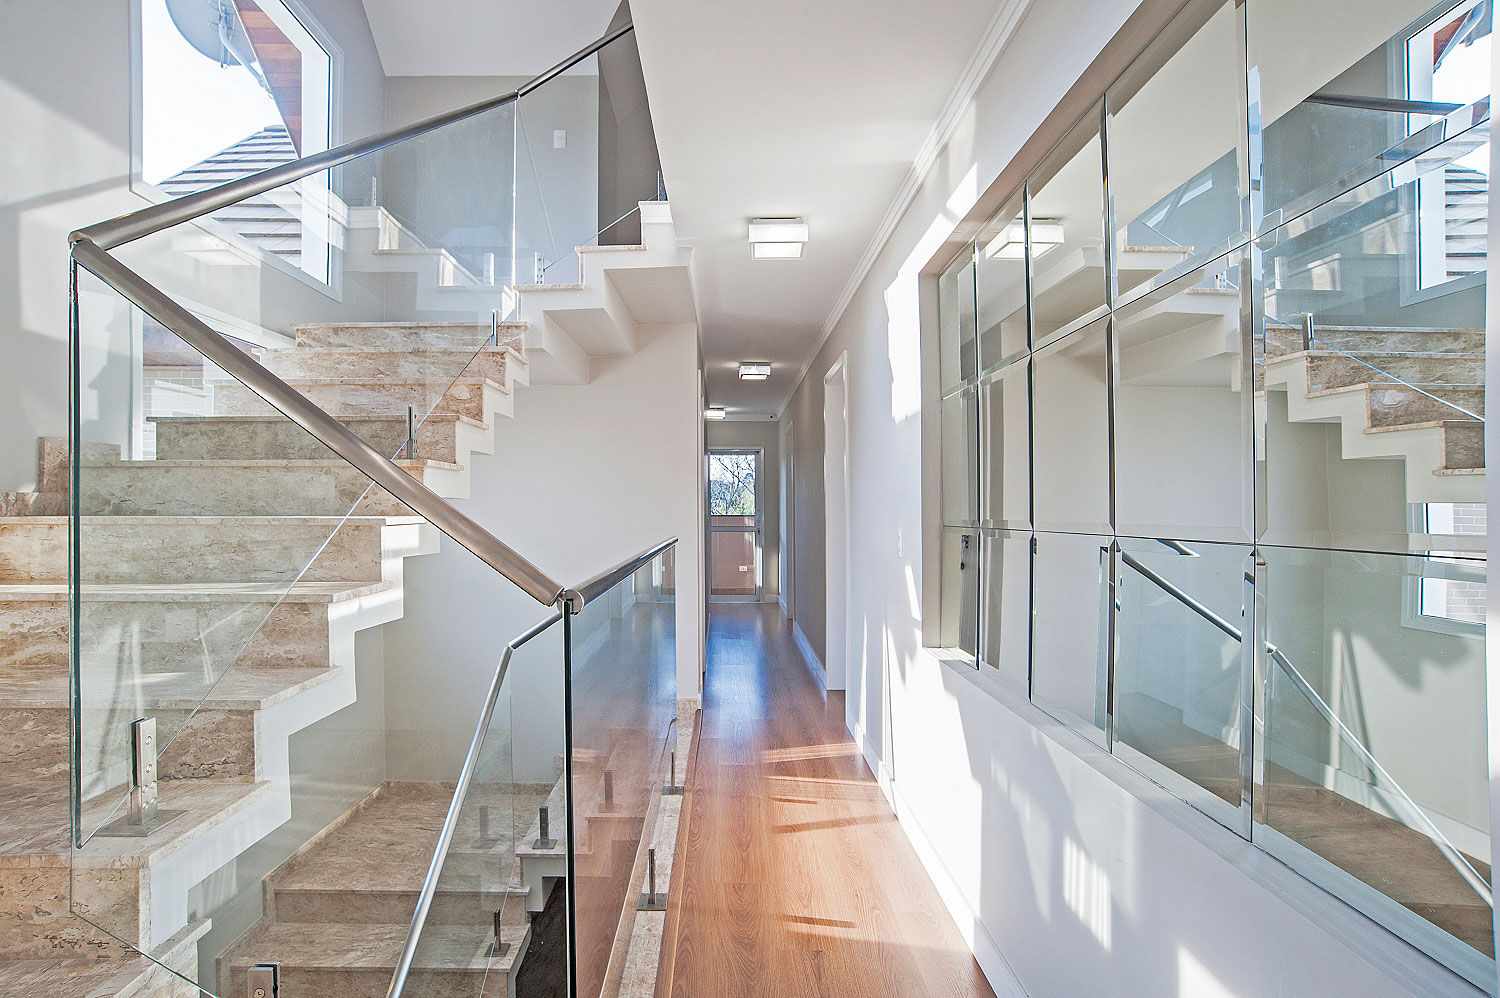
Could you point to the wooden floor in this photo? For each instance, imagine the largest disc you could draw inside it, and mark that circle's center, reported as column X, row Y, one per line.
column 796, row 879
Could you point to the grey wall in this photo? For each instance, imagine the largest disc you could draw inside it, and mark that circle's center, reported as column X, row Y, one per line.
column 766, row 435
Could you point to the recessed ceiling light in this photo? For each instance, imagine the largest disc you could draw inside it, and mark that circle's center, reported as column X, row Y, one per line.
column 754, row 371
column 714, row 413
column 777, row 238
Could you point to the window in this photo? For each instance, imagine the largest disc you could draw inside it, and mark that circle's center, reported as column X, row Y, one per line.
column 229, row 88
column 1450, row 593
column 1448, row 63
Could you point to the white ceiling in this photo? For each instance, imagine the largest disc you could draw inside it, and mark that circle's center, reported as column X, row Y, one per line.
column 782, row 108
column 464, row 38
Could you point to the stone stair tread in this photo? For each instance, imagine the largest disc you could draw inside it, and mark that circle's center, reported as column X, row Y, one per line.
column 549, row 287
column 634, row 248
column 436, row 416
column 240, row 688
column 406, row 464
column 335, row 946
column 36, row 826
column 167, row 592
column 167, row 519
column 1426, row 424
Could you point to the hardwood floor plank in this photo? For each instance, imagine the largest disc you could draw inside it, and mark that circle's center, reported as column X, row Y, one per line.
column 797, row 880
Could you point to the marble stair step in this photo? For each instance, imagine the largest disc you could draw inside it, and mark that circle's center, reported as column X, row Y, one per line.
column 274, row 437
column 150, row 549
column 170, row 628
column 408, row 335
column 1332, row 370
column 108, row 976
column 363, row 364
column 1282, row 341
column 1398, row 405
column 475, row 398
column 338, row 960
column 245, row 488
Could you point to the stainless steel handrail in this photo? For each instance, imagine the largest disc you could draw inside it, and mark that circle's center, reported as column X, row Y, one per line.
column 117, row 231
column 335, row 435
column 582, row 595
column 450, row 822
column 1397, row 104
column 1455, row 858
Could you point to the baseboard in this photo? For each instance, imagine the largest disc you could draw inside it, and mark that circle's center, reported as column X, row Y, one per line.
column 819, row 673
column 872, row 758
column 992, row 962
column 786, row 611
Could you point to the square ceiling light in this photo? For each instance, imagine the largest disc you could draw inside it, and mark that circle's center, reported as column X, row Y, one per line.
column 714, row 412
column 777, row 238
column 754, row 371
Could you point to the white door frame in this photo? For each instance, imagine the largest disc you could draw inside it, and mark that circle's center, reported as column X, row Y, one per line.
column 836, row 522
column 787, row 445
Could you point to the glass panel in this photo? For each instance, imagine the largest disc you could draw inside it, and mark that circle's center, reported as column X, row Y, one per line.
column 960, row 428
column 1007, row 454
column 416, row 303
column 1176, row 176
column 1182, row 412
column 1070, row 432
column 1385, row 408
column 959, row 621
column 496, row 871
column 1332, row 75
column 622, row 661
column 1066, row 225
column 1375, row 744
column 1007, row 606
column 958, row 358
column 1070, row 644
column 1179, row 678
column 1001, row 287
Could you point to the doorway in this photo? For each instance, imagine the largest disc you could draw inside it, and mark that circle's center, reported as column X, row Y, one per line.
column 735, row 509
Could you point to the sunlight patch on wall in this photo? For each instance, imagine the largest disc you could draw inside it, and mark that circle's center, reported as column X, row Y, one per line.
column 1086, row 891
column 1196, row 981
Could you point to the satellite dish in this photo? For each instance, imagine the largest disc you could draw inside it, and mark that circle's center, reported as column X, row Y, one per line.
column 213, row 28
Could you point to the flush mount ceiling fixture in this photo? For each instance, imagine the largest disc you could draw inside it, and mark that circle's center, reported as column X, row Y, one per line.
column 754, row 371
column 777, row 238
column 1010, row 244
column 714, row 412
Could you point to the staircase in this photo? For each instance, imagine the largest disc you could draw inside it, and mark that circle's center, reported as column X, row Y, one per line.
column 205, row 545
column 1353, row 382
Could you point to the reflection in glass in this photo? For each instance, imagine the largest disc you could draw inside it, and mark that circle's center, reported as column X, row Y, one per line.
column 1001, row 287
column 958, row 358
column 1006, row 461
column 959, row 619
column 1180, row 676
column 960, row 443
column 1070, row 432
column 1175, row 170
column 1182, row 409
column 1007, row 606
column 1377, row 403
column 1375, row 754
column 1066, row 226
column 1070, row 647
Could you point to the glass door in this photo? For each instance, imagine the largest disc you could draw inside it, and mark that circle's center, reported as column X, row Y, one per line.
column 734, row 534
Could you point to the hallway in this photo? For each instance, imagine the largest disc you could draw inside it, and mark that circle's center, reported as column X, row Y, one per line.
column 797, row 881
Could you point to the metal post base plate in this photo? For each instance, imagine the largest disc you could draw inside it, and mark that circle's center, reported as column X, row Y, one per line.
column 121, row 828
column 647, row 904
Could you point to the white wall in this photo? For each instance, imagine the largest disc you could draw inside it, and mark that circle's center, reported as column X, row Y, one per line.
column 1070, row 874
column 581, row 479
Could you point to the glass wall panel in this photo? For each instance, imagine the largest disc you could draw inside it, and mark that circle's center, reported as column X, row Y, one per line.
column 958, row 356
column 1000, row 280
column 1066, row 228
column 1007, row 606
column 959, row 620
column 1176, row 172
column 1333, row 77
column 1382, row 406
column 1183, row 410
column 960, row 429
column 1180, row 677
column 1375, row 739
column 1070, row 435
column 1006, row 460
column 1069, row 649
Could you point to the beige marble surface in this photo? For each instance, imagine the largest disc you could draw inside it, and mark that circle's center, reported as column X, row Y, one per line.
column 406, row 335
